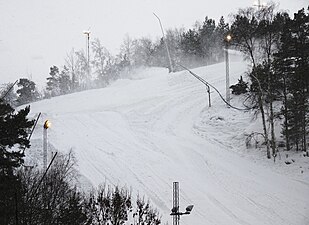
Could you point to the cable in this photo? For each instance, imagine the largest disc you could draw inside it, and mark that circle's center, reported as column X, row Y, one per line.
column 5, row 94
column 208, row 84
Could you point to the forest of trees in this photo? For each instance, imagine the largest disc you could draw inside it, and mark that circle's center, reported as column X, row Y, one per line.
column 278, row 48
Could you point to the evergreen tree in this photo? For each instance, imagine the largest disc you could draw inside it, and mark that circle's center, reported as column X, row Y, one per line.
column 27, row 91
column 65, row 82
column 208, row 38
column 222, row 30
column 53, row 82
column 292, row 62
column 191, row 43
column 120, row 206
column 14, row 130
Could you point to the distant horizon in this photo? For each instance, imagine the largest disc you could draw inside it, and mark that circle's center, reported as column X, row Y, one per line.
column 56, row 27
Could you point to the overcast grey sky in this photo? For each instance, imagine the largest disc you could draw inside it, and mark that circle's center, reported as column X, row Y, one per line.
column 36, row 34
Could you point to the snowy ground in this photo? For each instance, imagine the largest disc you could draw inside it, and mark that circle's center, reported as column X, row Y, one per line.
column 155, row 128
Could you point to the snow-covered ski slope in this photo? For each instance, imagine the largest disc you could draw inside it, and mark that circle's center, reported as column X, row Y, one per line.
column 155, row 128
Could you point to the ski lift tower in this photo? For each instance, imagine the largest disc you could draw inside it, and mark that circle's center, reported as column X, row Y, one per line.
column 175, row 210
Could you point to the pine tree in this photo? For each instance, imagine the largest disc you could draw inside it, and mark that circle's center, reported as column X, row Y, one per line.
column 292, row 62
column 27, row 91
column 191, row 43
column 208, row 38
column 222, row 30
column 53, row 82
column 65, row 82
column 120, row 206
column 14, row 130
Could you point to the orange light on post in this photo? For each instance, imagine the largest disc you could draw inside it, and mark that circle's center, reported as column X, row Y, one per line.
column 228, row 38
column 47, row 124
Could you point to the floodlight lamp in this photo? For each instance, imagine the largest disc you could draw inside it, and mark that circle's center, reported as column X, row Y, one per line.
column 47, row 124
column 175, row 209
column 86, row 32
column 228, row 37
column 189, row 208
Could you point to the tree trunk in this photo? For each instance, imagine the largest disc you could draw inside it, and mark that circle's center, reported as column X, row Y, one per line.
column 285, row 112
column 272, row 127
column 304, row 130
column 261, row 106
column 271, row 116
column 264, row 125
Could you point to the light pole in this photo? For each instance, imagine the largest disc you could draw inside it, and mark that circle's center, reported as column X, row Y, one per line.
column 87, row 33
column 166, row 45
column 208, row 91
column 228, row 38
column 46, row 125
column 175, row 210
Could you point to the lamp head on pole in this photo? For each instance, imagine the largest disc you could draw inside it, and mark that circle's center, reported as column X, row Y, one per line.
column 47, row 124
column 87, row 32
column 228, row 38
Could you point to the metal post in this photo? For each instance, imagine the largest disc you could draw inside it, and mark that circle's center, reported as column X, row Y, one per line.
column 88, row 71
column 227, row 78
column 175, row 210
column 166, row 45
column 46, row 125
column 87, row 33
column 88, row 55
column 176, row 203
column 44, row 149
column 208, row 91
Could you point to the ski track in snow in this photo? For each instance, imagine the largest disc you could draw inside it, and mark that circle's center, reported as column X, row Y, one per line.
column 147, row 132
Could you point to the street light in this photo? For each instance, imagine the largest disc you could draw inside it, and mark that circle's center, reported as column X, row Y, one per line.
column 87, row 33
column 165, row 41
column 47, row 124
column 175, row 210
column 228, row 39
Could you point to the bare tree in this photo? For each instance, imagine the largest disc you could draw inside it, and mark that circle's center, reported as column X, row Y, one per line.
column 127, row 49
column 102, row 63
column 71, row 64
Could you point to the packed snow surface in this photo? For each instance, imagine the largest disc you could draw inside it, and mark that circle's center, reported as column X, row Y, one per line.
column 154, row 128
